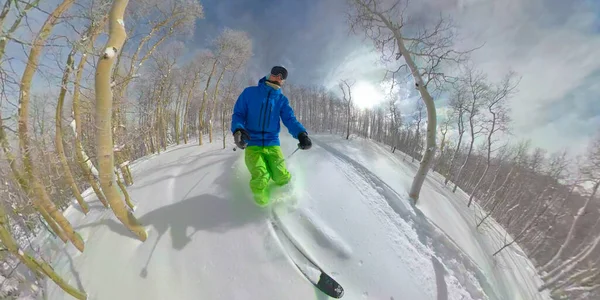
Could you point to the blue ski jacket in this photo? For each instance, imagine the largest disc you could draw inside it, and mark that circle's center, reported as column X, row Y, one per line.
column 258, row 110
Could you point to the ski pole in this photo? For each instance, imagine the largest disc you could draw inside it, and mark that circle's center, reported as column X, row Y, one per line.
column 288, row 157
column 293, row 153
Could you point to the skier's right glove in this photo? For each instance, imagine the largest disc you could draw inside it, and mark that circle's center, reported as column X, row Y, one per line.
column 240, row 136
column 305, row 142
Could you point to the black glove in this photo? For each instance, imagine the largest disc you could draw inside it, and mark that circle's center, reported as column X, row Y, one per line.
column 240, row 136
column 305, row 142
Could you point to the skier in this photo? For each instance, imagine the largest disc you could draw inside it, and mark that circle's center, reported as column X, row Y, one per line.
column 255, row 125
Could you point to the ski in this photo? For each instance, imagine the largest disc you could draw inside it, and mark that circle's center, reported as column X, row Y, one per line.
column 304, row 263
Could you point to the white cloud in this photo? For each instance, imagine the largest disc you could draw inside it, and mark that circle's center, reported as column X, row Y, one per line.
column 565, row 133
column 360, row 64
column 554, row 49
column 552, row 45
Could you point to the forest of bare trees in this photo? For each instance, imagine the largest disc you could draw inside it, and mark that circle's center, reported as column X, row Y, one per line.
column 102, row 83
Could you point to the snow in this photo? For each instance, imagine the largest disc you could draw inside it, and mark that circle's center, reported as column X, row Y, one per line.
column 511, row 274
column 8, row 286
column 346, row 206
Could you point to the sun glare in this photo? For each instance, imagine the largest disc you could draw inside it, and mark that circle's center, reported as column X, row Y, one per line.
column 366, row 95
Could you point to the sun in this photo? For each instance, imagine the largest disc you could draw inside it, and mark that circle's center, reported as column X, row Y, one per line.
column 365, row 95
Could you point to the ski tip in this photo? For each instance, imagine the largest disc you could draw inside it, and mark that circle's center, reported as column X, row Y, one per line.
column 330, row 287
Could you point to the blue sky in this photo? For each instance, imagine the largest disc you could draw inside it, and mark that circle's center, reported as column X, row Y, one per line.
column 552, row 44
column 309, row 37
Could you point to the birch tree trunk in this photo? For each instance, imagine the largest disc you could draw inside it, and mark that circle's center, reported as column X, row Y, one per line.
column 582, row 211
column 555, row 275
column 179, row 15
column 39, row 267
column 417, row 144
column 84, row 162
column 485, row 171
column 347, row 102
column 24, row 183
column 429, row 153
column 383, row 23
column 456, row 150
column 495, row 201
column 212, row 112
column 496, row 106
column 477, row 90
column 124, row 190
column 349, row 115
column 104, row 99
column 58, row 142
column 178, row 115
column 41, row 197
column 187, row 106
column 203, row 104
column 443, row 131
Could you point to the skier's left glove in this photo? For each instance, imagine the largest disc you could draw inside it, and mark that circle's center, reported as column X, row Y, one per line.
column 305, row 142
column 240, row 136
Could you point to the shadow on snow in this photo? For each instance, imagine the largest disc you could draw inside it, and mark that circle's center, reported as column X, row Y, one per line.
column 205, row 212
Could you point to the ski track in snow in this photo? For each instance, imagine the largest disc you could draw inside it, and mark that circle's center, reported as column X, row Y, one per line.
column 322, row 233
column 206, row 239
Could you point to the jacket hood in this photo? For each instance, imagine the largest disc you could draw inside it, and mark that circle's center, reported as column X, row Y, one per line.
column 263, row 84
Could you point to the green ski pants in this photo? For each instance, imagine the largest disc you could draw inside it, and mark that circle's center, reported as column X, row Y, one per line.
column 264, row 164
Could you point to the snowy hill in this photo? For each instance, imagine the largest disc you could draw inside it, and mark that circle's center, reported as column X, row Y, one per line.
column 207, row 240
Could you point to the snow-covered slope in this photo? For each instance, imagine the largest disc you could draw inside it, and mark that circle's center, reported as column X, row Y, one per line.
column 510, row 274
column 207, row 240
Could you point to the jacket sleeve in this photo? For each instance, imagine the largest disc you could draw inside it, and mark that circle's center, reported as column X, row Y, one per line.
column 238, row 119
column 289, row 119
